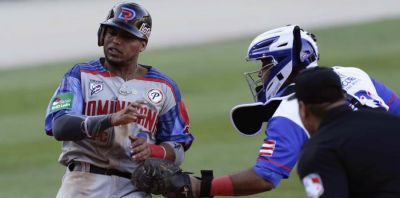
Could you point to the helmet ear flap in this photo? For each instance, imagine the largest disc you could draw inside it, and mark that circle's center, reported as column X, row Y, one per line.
column 297, row 48
column 100, row 32
column 100, row 36
column 303, row 51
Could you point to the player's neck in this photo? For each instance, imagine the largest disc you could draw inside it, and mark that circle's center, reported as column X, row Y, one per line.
column 126, row 72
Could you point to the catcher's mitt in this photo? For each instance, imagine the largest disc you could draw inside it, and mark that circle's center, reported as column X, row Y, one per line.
column 158, row 176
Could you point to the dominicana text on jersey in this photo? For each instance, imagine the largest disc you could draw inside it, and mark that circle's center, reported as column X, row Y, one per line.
column 89, row 89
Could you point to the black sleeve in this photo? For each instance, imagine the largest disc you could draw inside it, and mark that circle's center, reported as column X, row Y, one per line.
column 319, row 167
column 77, row 127
column 68, row 128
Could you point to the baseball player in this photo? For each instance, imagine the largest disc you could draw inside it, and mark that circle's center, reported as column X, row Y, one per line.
column 283, row 53
column 112, row 113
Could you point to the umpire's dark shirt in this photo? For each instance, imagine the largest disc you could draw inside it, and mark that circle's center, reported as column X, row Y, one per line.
column 356, row 154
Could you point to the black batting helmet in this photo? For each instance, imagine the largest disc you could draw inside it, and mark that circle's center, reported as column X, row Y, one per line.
column 129, row 17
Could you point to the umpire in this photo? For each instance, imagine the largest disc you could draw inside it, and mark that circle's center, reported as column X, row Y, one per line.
column 351, row 153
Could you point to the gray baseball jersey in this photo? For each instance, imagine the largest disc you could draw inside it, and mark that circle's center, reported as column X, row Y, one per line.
column 89, row 89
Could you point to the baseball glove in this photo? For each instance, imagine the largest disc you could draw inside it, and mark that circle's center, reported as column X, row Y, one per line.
column 159, row 176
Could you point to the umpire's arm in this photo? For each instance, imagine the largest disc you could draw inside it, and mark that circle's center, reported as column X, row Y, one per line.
column 322, row 173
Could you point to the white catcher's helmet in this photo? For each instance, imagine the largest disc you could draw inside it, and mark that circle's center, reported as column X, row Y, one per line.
column 287, row 49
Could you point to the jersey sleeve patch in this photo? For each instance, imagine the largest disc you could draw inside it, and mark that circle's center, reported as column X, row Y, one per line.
column 313, row 185
column 267, row 148
column 62, row 101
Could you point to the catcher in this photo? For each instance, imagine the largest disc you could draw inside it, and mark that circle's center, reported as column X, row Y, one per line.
column 283, row 52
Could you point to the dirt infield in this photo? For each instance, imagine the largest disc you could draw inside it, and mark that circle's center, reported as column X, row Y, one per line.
column 34, row 32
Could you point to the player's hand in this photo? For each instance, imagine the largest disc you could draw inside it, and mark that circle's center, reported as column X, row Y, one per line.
column 196, row 184
column 129, row 114
column 140, row 149
column 195, row 190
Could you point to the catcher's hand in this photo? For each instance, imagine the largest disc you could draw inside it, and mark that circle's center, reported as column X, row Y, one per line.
column 158, row 176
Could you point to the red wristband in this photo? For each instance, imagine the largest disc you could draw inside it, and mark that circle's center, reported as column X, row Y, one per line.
column 157, row 151
column 222, row 186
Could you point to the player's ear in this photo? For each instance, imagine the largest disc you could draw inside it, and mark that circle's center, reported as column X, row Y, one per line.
column 303, row 111
column 143, row 45
column 307, row 117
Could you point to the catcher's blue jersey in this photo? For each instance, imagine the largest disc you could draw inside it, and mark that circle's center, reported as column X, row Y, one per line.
column 285, row 133
column 279, row 151
column 388, row 96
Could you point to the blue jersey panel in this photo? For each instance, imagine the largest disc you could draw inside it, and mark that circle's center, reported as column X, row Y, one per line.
column 388, row 96
column 174, row 124
column 172, row 127
column 70, row 84
column 280, row 150
column 154, row 73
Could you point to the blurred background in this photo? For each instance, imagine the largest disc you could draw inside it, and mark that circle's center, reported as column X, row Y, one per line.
column 200, row 44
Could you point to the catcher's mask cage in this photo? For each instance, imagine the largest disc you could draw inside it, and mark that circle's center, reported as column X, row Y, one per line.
column 284, row 50
column 129, row 17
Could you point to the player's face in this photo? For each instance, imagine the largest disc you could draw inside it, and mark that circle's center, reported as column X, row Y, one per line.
column 266, row 66
column 120, row 47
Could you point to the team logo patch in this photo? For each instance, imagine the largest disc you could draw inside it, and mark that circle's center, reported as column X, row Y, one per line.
column 370, row 100
column 95, row 86
column 155, row 96
column 267, row 148
column 127, row 14
column 62, row 101
column 144, row 29
column 347, row 81
column 313, row 185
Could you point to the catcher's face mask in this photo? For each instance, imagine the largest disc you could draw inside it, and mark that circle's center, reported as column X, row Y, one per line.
column 282, row 50
column 256, row 79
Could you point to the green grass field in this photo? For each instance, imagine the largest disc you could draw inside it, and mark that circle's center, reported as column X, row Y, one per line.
column 211, row 81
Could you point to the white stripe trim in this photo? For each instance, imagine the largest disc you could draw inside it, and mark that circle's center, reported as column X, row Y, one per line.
column 266, row 151
column 268, row 145
column 86, row 131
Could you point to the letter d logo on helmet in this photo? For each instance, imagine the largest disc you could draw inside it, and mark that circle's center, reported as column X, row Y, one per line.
column 126, row 14
column 129, row 17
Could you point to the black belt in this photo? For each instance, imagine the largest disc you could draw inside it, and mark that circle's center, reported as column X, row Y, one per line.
column 73, row 166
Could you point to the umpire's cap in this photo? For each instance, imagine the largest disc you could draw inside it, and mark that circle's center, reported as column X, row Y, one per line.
column 130, row 17
column 318, row 85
